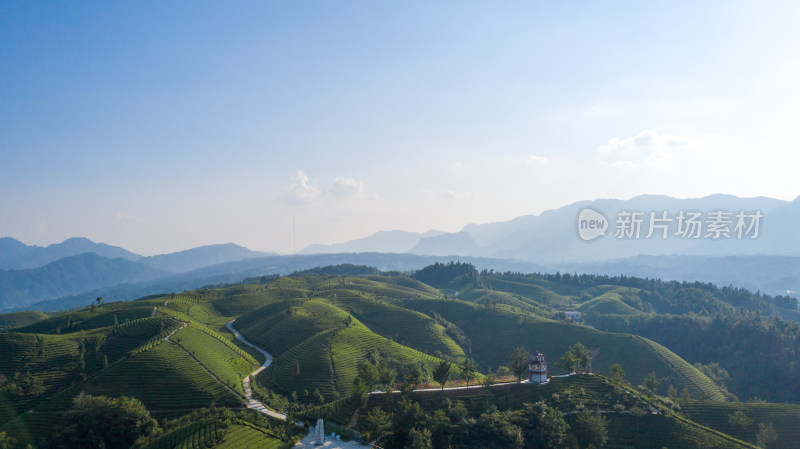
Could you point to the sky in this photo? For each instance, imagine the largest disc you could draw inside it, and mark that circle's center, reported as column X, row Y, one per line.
column 161, row 126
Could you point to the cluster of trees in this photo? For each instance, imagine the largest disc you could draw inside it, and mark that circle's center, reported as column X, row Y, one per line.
column 345, row 269
column 576, row 359
column 453, row 332
column 99, row 422
column 450, row 275
column 669, row 292
column 759, row 354
column 450, row 424
column 21, row 385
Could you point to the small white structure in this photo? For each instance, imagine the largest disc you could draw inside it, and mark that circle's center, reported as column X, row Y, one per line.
column 319, row 433
column 574, row 315
column 537, row 368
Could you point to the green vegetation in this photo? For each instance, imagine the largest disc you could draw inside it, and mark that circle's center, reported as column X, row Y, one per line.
column 339, row 332
column 228, row 365
column 494, row 333
column 742, row 419
column 19, row 319
column 101, row 422
column 328, row 362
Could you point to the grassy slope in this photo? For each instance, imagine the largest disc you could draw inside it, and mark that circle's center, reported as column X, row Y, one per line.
column 18, row 319
column 85, row 319
column 165, row 379
column 650, row 431
column 495, row 333
column 608, row 302
column 329, row 360
column 785, row 418
column 218, row 358
column 407, row 327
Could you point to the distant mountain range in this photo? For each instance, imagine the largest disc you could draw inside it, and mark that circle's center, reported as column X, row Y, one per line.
column 381, row 241
column 74, row 272
column 68, row 276
column 33, row 274
column 552, row 236
column 15, row 255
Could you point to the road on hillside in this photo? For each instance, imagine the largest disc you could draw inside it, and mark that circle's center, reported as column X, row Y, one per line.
column 252, row 402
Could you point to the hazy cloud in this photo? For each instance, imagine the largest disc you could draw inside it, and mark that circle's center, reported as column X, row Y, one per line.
column 648, row 148
column 347, row 187
column 451, row 195
column 536, row 160
column 299, row 191
column 122, row 216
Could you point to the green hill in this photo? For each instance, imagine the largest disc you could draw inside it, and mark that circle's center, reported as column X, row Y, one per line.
column 320, row 328
column 568, row 395
column 407, row 327
column 717, row 415
column 608, row 303
column 329, row 361
column 495, row 333
column 18, row 319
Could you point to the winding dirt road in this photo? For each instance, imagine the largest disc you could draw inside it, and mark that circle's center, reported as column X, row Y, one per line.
column 252, row 402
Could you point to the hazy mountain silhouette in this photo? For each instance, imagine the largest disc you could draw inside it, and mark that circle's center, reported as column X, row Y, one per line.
column 15, row 255
column 381, row 241
column 68, row 276
column 552, row 237
column 203, row 256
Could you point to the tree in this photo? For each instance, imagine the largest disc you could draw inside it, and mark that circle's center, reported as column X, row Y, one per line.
column 496, row 430
column 414, row 376
column 651, row 381
column 99, row 300
column 488, row 380
column 766, row 435
column 378, row 422
column 568, row 362
column 581, row 354
column 100, row 422
column 6, row 442
column 543, row 426
column 740, row 421
column 591, row 429
column 419, row 439
column 386, row 375
column 368, row 375
column 441, row 373
column 616, row 374
column 468, row 370
column 518, row 362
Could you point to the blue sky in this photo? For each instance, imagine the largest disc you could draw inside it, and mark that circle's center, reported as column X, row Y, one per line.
column 159, row 126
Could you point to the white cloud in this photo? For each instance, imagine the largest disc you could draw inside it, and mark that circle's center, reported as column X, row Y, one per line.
column 648, row 148
column 458, row 166
column 536, row 160
column 450, row 195
column 299, row 191
column 122, row 216
column 347, row 187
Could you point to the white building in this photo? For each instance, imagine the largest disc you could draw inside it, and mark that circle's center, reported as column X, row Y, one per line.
column 537, row 368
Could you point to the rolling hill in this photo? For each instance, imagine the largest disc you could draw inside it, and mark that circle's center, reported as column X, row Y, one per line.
column 174, row 353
